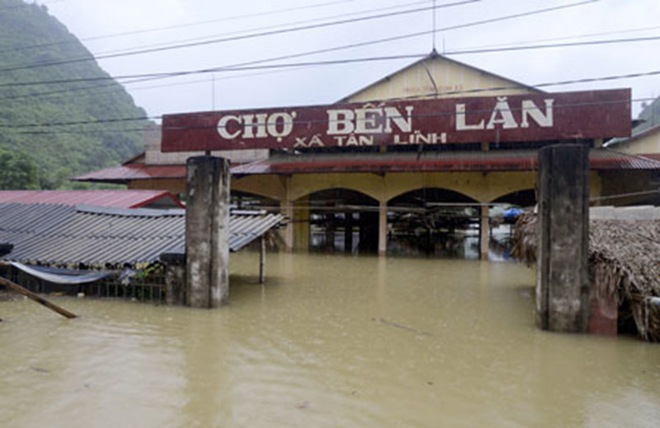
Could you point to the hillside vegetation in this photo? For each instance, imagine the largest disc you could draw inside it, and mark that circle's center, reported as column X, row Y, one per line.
column 92, row 132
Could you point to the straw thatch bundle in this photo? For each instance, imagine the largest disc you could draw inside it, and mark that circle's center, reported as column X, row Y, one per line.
column 624, row 263
column 524, row 238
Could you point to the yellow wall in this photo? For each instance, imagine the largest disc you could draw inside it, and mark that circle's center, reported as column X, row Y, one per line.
column 482, row 187
column 645, row 144
column 617, row 184
column 452, row 79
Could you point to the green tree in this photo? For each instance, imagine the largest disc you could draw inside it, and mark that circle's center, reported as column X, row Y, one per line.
column 18, row 171
column 70, row 126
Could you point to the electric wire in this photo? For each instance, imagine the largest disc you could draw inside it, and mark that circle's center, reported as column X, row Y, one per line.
column 236, row 66
column 243, row 68
column 151, row 76
column 251, row 65
column 341, row 16
column 231, row 18
column 170, row 27
column 232, row 38
column 12, row 127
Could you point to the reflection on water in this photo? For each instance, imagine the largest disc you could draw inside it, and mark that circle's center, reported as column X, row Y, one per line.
column 329, row 341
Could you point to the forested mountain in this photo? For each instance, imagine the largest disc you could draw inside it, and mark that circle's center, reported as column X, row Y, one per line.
column 92, row 132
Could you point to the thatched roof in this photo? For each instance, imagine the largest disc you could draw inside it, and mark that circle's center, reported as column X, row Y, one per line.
column 624, row 263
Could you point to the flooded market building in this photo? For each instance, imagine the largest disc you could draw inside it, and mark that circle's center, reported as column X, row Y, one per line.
column 422, row 161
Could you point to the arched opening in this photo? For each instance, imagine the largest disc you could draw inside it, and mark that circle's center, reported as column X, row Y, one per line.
column 521, row 198
column 504, row 212
column 342, row 220
column 434, row 221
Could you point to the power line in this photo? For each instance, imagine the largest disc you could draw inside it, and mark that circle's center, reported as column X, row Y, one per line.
column 238, row 17
column 343, row 16
column 553, row 45
column 172, row 27
column 229, row 68
column 243, row 66
column 233, row 38
column 575, row 36
column 142, row 118
column 111, row 82
column 249, row 67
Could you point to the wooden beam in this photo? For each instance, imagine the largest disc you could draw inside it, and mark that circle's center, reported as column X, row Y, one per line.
column 17, row 288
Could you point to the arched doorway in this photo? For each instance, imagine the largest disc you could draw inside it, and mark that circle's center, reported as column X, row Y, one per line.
column 341, row 220
column 433, row 221
column 504, row 212
column 521, row 198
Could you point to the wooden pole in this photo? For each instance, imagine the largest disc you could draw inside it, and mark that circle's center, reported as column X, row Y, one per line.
column 17, row 288
column 262, row 260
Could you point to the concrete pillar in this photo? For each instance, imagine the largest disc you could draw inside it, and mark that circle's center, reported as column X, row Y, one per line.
column 301, row 228
column 484, row 232
column 562, row 285
column 207, row 232
column 382, row 228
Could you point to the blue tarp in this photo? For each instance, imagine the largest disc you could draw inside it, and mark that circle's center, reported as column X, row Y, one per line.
column 512, row 214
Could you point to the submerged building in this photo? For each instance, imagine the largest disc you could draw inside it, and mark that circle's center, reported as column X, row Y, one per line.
column 383, row 185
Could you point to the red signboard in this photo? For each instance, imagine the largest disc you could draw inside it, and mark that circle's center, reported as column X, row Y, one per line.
column 529, row 117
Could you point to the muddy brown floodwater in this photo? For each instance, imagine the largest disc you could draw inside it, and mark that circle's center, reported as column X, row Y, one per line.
column 329, row 341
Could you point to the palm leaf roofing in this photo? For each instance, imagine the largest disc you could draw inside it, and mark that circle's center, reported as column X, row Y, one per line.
column 107, row 238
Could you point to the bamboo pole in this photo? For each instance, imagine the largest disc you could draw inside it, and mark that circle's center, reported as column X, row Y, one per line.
column 17, row 288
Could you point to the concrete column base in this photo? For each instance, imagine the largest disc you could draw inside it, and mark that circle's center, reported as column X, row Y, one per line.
column 563, row 286
column 207, row 232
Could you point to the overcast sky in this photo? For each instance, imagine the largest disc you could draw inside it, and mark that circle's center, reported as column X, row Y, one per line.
column 230, row 33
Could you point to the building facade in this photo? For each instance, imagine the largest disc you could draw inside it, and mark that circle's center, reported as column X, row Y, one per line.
column 419, row 191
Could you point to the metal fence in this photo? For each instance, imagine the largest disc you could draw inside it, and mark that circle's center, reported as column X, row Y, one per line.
column 146, row 286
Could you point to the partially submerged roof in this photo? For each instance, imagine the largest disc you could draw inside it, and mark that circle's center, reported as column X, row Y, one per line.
column 103, row 198
column 101, row 237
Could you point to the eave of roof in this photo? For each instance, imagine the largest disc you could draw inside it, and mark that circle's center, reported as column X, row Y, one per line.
column 129, row 172
column 503, row 160
column 391, row 162
column 105, row 198
column 635, row 136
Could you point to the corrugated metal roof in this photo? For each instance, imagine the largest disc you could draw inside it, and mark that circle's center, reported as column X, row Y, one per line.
column 125, row 173
column 61, row 235
column 457, row 161
column 103, row 198
column 495, row 160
